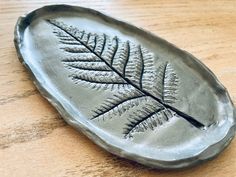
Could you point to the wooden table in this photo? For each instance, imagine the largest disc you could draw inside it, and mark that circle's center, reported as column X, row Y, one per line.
column 35, row 141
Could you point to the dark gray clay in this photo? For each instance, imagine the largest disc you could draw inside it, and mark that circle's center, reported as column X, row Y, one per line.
column 131, row 92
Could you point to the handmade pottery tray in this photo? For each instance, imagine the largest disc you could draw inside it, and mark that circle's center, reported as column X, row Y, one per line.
column 131, row 92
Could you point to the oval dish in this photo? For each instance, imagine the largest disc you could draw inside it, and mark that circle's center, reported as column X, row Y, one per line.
column 131, row 92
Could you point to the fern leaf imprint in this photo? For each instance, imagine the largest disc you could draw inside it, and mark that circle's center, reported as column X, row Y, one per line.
column 103, row 62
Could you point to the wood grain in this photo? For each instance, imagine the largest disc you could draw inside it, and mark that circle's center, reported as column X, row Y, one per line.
column 35, row 141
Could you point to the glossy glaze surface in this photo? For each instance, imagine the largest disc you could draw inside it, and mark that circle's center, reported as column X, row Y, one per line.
column 200, row 121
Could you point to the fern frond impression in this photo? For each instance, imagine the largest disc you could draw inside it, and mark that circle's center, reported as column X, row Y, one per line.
column 146, row 119
column 170, row 85
column 99, row 61
column 119, row 103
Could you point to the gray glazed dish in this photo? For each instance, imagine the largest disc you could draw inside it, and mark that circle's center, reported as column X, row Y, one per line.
column 131, row 92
